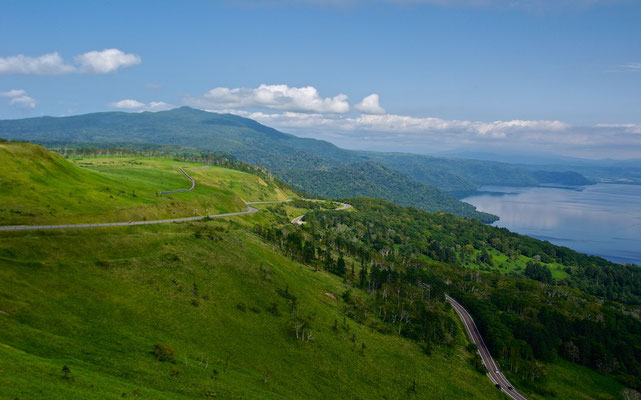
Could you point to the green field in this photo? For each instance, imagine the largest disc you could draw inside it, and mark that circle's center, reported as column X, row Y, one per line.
column 40, row 187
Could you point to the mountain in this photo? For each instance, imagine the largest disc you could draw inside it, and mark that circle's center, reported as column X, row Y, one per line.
column 564, row 178
column 592, row 170
column 292, row 158
column 244, row 138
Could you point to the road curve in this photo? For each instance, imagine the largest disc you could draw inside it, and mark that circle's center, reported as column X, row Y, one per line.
column 193, row 184
column 342, row 206
column 493, row 372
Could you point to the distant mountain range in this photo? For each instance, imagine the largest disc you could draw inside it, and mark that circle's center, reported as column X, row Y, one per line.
column 315, row 166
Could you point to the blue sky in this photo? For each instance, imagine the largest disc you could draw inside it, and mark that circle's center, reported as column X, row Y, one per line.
column 558, row 76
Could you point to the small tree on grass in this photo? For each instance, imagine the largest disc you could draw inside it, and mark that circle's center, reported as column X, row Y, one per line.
column 164, row 352
column 66, row 373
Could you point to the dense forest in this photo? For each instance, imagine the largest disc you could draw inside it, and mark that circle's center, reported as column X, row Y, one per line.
column 369, row 179
column 401, row 261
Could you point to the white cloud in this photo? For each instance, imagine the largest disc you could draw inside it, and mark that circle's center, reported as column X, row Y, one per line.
column 371, row 127
column 127, row 103
column 158, row 106
column 47, row 64
column 19, row 98
column 274, row 97
column 106, row 61
column 627, row 128
column 633, row 67
column 13, row 93
column 401, row 124
column 131, row 104
column 97, row 62
column 370, row 105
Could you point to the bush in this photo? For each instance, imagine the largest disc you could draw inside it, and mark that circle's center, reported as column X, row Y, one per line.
column 164, row 352
column 273, row 309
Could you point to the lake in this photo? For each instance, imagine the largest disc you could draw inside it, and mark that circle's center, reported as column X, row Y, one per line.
column 601, row 219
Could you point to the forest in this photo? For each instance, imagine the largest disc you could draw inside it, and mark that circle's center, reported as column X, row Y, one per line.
column 401, row 261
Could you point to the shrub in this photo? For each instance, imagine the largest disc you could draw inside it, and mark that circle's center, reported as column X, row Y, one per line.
column 273, row 309
column 164, row 352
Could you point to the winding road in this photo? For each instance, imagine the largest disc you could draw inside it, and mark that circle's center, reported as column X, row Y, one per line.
column 493, row 372
column 249, row 210
column 193, row 184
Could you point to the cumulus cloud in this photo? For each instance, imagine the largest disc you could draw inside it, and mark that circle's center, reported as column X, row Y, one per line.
column 19, row 98
column 370, row 105
column 274, row 97
column 97, row 62
column 127, row 103
column 304, row 112
column 131, row 104
column 106, row 61
column 47, row 64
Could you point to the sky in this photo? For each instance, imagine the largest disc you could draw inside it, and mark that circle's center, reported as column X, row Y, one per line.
column 425, row 76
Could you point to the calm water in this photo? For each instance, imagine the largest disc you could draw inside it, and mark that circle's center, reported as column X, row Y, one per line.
column 602, row 219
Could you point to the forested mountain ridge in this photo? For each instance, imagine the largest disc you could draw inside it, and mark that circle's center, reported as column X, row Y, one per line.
column 369, row 179
column 283, row 153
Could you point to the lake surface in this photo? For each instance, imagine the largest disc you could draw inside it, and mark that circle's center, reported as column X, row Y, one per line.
column 601, row 219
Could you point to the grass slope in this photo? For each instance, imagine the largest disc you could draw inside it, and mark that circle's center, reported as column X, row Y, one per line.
column 97, row 301
column 40, row 187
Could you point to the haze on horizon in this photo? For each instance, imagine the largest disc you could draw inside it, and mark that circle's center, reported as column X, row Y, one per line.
column 422, row 76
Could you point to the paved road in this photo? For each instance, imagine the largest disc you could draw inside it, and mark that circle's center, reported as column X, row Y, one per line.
column 249, row 210
column 493, row 372
column 193, row 184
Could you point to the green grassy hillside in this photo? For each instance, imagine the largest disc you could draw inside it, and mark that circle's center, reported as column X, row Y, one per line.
column 215, row 309
column 82, row 310
column 41, row 187
column 98, row 301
